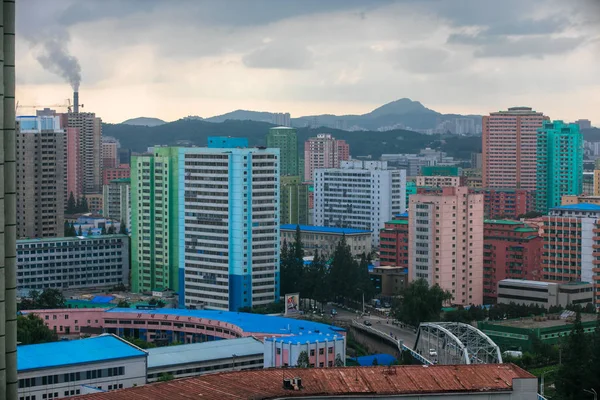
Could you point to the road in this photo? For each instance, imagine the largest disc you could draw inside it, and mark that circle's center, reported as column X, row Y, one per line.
column 384, row 325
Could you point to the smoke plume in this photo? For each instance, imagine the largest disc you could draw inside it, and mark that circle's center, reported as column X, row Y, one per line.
column 54, row 56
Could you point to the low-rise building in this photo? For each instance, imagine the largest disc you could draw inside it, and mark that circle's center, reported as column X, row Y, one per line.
column 440, row 180
column 511, row 249
column 94, row 262
column 518, row 333
column 94, row 201
column 393, row 241
column 566, row 200
column 545, row 294
column 61, row 369
column 205, row 358
column 110, row 174
column 325, row 239
column 389, row 280
column 322, row 349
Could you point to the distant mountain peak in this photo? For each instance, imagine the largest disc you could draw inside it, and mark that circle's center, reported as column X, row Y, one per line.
column 399, row 107
column 144, row 121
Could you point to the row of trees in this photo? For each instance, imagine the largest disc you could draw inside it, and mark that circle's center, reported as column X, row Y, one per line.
column 71, row 231
column 76, row 206
column 47, row 299
column 341, row 277
column 31, row 329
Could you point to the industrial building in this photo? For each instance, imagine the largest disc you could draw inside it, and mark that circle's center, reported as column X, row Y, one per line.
column 360, row 195
column 93, row 262
column 409, row 382
column 545, row 294
column 61, row 369
column 187, row 360
column 325, row 239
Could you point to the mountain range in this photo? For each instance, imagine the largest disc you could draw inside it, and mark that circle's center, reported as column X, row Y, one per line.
column 400, row 114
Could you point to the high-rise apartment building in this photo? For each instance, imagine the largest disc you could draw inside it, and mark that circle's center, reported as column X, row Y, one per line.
column 110, row 174
column 393, row 238
column 510, row 148
column 571, row 245
column 8, row 238
column 73, row 166
column 323, row 151
column 286, row 140
column 40, row 177
column 205, row 223
column 116, row 201
column 293, row 201
column 584, row 123
column 282, row 119
column 511, row 250
column 90, row 149
column 559, row 164
column 446, row 242
column 359, row 194
column 110, row 152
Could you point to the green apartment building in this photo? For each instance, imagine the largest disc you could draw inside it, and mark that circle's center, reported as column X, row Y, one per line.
column 293, row 201
column 559, row 163
column 286, row 140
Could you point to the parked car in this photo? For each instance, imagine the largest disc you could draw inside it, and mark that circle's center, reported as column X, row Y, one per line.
column 432, row 353
column 368, row 323
column 333, row 311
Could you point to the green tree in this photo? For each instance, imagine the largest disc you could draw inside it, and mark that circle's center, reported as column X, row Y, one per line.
column 142, row 344
column 79, row 232
column 123, row 228
column 123, row 304
column 71, row 204
column 420, row 303
column 303, row 360
column 32, row 330
column 338, row 360
column 103, row 231
column 292, row 265
column 51, row 299
column 572, row 376
column 152, row 301
column 111, row 230
column 342, row 272
column 84, row 205
column 594, row 372
column 89, row 231
column 375, row 362
column 165, row 377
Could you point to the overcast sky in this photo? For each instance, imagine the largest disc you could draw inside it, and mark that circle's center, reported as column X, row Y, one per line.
column 169, row 59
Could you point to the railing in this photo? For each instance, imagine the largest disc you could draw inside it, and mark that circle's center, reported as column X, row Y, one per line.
column 540, row 397
column 398, row 343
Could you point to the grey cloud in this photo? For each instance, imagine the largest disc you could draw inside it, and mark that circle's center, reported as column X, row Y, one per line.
column 422, row 60
column 528, row 27
column 277, row 55
column 530, row 47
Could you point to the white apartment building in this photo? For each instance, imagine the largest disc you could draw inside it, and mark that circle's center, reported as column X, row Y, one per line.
column 360, row 195
column 116, row 201
column 73, row 262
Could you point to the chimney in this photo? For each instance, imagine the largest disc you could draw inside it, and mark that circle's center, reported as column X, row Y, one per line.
column 76, row 102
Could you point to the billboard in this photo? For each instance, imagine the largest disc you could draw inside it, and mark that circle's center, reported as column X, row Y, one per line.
column 292, row 303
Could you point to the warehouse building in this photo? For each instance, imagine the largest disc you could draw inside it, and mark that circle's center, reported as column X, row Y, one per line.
column 205, row 358
column 62, row 369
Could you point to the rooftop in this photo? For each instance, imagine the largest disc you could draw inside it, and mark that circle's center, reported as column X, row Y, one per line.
column 324, row 382
column 253, row 323
column 56, row 354
column 70, row 238
column 579, row 207
column 197, row 352
column 531, row 323
column 502, row 222
column 324, row 229
column 398, row 222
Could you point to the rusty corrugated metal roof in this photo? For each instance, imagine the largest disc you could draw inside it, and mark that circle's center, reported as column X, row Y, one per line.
column 267, row 383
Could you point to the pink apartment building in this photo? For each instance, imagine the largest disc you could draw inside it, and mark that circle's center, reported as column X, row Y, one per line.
column 323, row 151
column 110, row 152
column 446, row 242
column 509, row 144
column 74, row 171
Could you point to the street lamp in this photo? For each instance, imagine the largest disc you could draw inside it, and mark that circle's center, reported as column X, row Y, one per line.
column 592, row 391
column 363, row 300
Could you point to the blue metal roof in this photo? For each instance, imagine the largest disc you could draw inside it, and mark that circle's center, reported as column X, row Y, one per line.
column 382, row 359
column 579, row 207
column 309, row 338
column 256, row 323
column 56, row 354
column 323, row 229
column 198, row 352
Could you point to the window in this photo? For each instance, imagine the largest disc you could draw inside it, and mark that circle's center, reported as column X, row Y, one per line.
column 312, row 353
column 321, row 352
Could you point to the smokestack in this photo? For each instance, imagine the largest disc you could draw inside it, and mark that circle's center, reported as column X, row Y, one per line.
column 76, row 102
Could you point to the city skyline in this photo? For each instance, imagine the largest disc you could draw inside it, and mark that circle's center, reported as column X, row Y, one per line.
column 310, row 58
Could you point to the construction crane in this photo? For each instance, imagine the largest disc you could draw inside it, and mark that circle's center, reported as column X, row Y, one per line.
column 67, row 106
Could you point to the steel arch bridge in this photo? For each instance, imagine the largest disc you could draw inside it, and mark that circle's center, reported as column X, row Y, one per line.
column 456, row 343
